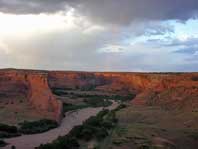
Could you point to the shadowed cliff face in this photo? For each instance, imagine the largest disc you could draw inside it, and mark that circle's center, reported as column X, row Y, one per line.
column 166, row 90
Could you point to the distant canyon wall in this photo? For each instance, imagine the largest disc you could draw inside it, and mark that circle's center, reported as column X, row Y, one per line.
column 169, row 90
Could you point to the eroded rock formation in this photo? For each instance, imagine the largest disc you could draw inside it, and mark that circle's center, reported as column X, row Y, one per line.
column 32, row 85
column 169, row 90
column 176, row 90
column 40, row 95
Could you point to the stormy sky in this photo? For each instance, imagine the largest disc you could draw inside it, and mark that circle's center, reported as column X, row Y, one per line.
column 99, row 35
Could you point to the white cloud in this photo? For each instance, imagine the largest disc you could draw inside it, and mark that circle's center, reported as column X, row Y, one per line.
column 66, row 40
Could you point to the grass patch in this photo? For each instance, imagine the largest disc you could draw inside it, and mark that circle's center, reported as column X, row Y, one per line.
column 37, row 126
column 68, row 92
column 71, row 107
column 89, row 102
column 97, row 102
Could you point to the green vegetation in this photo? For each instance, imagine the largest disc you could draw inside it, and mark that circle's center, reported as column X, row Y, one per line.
column 96, row 127
column 88, row 88
column 123, row 98
column 194, row 135
column 97, row 102
column 66, row 142
column 2, row 143
column 73, row 95
column 70, row 107
column 89, row 102
column 8, row 135
column 7, row 128
column 112, row 97
column 59, row 92
column 43, row 125
column 7, row 131
column 121, row 106
column 37, row 126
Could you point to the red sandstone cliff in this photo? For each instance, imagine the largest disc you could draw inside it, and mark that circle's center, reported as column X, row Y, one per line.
column 41, row 97
column 170, row 90
column 34, row 87
column 166, row 90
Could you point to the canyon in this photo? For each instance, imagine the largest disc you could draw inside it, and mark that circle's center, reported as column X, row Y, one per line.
column 167, row 90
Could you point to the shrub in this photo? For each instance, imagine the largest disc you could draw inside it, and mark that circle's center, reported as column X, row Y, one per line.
column 7, row 131
column 194, row 135
column 8, row 135
column 101, row 133
column 61, row 143
column 103, row 113
column 95, row 121
column 121, row 106
column 124, row 98
column 88, row 88
column 76, row 131
column 37, row 126
column 2, row 143
column 7, row 128
column 60, row 91
column 107, row 124
column 70, row 107
column 87, row 133
column 97, row 102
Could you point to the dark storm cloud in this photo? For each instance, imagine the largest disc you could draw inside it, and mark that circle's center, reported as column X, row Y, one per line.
column 125, row 11
column 109, row 11
column 32, row 6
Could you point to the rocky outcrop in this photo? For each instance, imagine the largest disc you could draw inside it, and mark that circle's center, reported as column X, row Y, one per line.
column 33, row 86
column 40, row 95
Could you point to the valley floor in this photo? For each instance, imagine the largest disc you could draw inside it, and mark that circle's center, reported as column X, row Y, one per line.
column 71, row 119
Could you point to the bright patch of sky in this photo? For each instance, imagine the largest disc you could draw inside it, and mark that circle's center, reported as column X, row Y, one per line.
column 152, row 36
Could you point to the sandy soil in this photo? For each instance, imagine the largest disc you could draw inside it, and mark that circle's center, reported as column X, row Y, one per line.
column 71, row 119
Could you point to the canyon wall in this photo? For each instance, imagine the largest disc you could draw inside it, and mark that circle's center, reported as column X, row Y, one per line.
column 33, row 86
column 168, row 90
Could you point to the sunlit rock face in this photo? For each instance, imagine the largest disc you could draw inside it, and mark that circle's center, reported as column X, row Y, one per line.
column 40, row 95
column 171, row 91
column 33, row 86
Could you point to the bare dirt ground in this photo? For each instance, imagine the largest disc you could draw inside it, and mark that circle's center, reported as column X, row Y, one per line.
column 71, row 119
